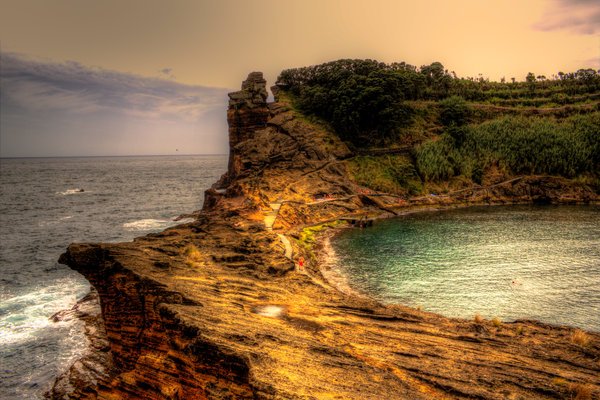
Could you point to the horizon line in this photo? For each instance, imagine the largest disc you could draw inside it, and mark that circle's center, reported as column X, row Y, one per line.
column 113, row 156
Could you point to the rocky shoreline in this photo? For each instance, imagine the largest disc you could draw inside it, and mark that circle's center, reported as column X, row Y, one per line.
column 218, row 308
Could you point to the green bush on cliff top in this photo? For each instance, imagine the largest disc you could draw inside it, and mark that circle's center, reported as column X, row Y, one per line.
column 369, row 102
column 388, row 173
column 520, row 145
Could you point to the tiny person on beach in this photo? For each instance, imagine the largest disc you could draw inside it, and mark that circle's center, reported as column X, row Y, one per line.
column 301, row 264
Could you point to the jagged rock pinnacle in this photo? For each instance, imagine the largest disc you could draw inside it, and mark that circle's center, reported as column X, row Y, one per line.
column 247, row 113
column 253, row 94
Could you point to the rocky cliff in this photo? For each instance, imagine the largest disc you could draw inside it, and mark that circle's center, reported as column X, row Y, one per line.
column 219, row 309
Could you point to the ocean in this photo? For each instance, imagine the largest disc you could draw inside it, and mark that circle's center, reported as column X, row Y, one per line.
column 48, row 203
column 509, row 262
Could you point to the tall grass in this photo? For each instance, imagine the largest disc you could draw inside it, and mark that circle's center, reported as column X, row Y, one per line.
column 518, row 144
column 389, row 173
column 580, row 338
column 438, row 160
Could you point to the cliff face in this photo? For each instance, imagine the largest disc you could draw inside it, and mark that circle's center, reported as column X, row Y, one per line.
column 247, row 113
column 219, row 309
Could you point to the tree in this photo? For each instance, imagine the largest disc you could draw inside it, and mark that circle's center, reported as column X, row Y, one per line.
column 530, row 79
column 438, row 79
column 363, row 100
column 454, row 111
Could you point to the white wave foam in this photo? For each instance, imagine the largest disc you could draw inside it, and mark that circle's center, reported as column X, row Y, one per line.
column 54, row 221
column 19, row 328
column 145, row 224
column 330, row 268
column 24, row 317
column 183, row 221
column 71, row 191
column 150, row 224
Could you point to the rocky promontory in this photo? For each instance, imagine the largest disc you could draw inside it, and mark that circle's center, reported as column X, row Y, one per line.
column 221, row 309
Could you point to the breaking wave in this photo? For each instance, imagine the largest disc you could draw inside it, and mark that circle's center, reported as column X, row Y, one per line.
column 148, row 224
column 71, row 191
column 41, row 214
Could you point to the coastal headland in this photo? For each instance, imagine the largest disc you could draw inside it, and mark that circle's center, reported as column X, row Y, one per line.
column 221, row 308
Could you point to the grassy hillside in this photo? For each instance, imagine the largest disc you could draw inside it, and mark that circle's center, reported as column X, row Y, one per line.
column 418, row 130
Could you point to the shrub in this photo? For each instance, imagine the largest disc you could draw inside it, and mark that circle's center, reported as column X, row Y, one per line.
column 520, row 330
column 580, row 338
column 458, row 134
column 389, row 173
column 364, row 100
column 437, row 160
column 192, row 254
column 581, row 391
column 454, row 111
column 521, row 145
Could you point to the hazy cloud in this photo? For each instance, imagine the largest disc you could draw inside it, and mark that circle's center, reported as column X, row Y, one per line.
column 56, row 109
column 592, row 62
column 579, row 16
column 73, row 87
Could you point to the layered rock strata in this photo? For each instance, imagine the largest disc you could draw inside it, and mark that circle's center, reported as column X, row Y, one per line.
column 218, row 308
column 247, row 113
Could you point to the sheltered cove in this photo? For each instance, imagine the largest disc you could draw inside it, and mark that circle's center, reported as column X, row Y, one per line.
column 217, row 309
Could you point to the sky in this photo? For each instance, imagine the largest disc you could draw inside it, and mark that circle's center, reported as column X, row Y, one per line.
column 83, row 77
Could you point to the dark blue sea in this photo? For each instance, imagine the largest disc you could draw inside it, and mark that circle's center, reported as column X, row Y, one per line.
column 42, row 210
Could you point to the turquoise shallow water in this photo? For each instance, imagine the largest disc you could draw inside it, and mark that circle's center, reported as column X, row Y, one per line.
column 511, row 262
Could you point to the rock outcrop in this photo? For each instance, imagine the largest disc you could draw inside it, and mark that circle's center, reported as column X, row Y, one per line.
column 219, row 309
column 95, row 367
column 247, row 113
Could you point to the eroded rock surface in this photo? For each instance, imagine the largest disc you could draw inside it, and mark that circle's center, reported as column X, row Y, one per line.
column 247, row 113
column 218, row 309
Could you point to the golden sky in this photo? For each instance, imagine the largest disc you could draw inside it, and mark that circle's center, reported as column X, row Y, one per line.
column 125, row 77
column 216, row 43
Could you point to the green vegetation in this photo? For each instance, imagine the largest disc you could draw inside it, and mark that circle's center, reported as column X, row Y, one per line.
column 518, row 145
column 454, row 129
column 454, row 111
column 361, row 99
column 307, row 235
column 368, row 102
column 389, row 173
column 306, row 239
